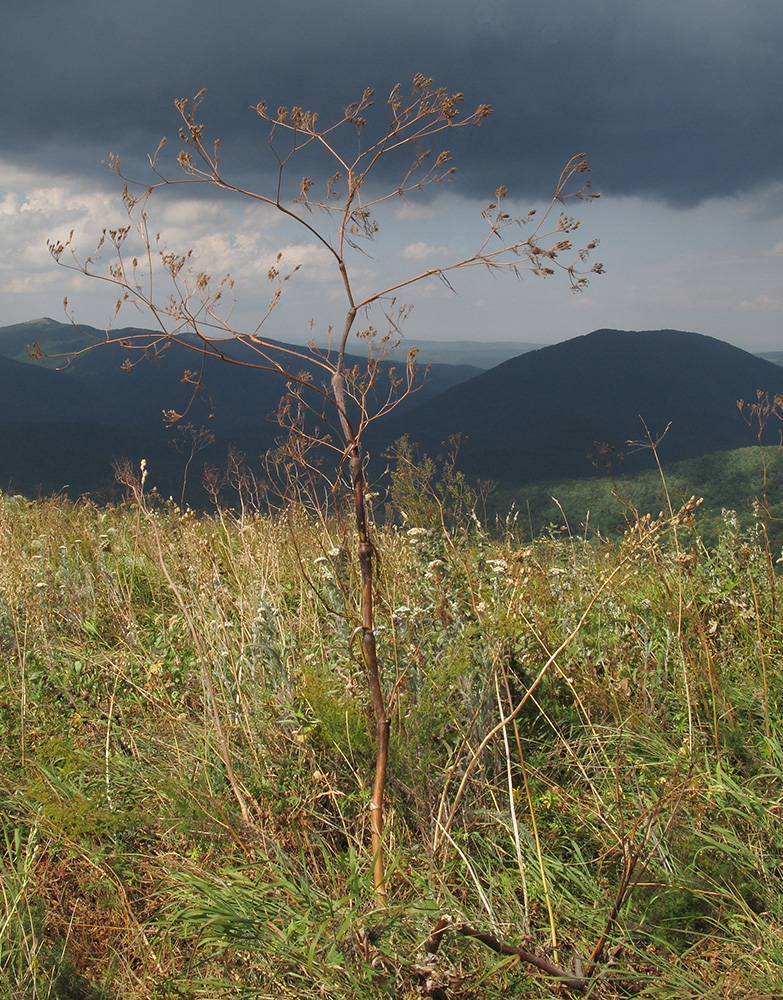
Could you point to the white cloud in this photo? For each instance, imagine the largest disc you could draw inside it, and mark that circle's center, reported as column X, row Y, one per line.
column 10, row 204
column 224, row 235
column 422, row 251
column 416, row 211
column 762, row 302
column 716, row 269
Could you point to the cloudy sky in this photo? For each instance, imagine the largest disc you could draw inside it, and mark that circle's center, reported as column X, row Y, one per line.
column 677, row 105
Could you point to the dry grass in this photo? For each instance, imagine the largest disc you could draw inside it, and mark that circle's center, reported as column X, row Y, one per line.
column 584, row 752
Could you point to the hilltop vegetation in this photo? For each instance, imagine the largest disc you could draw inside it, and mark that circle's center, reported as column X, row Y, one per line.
column 585, row 760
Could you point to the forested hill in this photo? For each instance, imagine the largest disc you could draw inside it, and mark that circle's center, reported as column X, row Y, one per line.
column 63, row 427
column 118, row 395
column 553, row 413
column 550, row 413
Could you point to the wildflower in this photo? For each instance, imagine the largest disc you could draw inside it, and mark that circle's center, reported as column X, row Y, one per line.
column 497, row 565
column 433, row 568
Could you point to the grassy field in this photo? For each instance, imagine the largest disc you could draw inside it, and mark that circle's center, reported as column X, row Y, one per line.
column 586, row 759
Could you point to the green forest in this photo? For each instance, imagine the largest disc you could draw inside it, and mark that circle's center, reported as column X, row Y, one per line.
column 725, row 480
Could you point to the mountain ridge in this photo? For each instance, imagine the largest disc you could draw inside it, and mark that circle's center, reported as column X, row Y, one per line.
column 239, row 396
column 540, row 415
column 563, row 411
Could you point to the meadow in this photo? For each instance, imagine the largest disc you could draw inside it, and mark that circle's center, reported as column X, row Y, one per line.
column 586, row 764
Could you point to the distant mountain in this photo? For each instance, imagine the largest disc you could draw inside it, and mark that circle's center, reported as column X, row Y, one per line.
column 776, row 357
column 59, row 338
column 239, row 396
column 96, row 408
column 563, row 411
column 479, row 353
column 53, row 338
column 548, row 414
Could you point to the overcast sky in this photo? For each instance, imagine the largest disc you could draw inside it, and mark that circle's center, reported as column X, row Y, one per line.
column 677, row 104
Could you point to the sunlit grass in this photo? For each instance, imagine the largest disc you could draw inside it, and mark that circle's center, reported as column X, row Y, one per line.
column 161, row 669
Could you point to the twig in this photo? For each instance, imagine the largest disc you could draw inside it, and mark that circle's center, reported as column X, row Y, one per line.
column 501, row 948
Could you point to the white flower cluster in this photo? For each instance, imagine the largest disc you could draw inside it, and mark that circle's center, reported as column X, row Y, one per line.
column 433, row 569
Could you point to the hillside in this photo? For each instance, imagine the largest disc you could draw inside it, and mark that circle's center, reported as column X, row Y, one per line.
column 550, row 413
column 41, row 395
column 561, row 412
column 64, row 426
column 722, row 480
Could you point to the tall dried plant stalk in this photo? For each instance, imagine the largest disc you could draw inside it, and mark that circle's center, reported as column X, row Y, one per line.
column 197, row 314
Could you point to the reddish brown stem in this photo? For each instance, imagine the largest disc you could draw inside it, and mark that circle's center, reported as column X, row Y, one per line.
column 501, row 948
column 527, row 956
column 369, row 651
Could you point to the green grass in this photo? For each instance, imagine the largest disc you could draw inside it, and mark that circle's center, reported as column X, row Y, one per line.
column 161, row 670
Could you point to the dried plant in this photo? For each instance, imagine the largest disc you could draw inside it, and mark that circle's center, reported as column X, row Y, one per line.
column 330, row 416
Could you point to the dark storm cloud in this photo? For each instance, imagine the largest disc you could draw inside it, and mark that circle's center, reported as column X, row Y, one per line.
column 678, row 100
